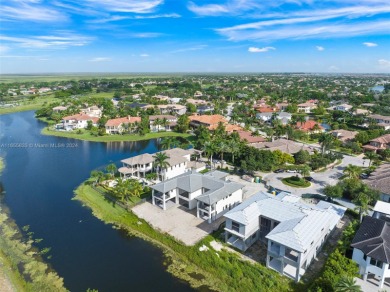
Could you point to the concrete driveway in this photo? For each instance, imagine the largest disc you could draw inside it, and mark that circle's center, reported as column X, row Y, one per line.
column 320, row 179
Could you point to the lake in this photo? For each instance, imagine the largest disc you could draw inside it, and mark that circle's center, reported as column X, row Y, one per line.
column 40, row 176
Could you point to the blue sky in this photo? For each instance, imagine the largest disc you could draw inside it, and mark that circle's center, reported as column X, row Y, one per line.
column 38, row 36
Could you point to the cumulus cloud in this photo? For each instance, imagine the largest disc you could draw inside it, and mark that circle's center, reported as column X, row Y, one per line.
column 367, row 44
column 260, row 50
column 384, row 63
column 319, row 48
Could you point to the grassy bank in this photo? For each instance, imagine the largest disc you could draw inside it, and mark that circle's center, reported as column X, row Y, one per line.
column 86, row 136
column 220, row 271
column 21, row 265
column 28, row 105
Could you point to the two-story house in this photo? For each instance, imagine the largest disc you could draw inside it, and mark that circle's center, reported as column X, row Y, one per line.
column 211, row 194
column 371, row 249
column 306, row 107
column 292, row 231
column 380, row 180
column 162, row 122
column 378, row 144
column 119, row 125
column 78, row 121
column 209, row 121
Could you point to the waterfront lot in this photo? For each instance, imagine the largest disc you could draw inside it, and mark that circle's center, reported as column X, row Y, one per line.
column 177, row 221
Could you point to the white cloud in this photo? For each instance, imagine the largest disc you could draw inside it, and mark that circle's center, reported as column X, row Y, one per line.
column 319, row 48
column 100, row 59
column 61, row 40
column 4, row 49
column 384, row 63
column 133, row 6
column 195, row 48
column 144, row 55
column 30, row 11
column 367, row 44
column 333, row 68
column 260, row 50
column 232, row 7
column 145, row 35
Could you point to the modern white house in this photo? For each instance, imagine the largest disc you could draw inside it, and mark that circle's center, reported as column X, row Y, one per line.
column 78, row 121
column 284, row 117
column 179, row 161
column 343, row 107
column 371, row 249
column 211, row 194
column 293, row 232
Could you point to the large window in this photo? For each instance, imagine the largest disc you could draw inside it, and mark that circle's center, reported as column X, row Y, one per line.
column 377, row 263
column 235, row 226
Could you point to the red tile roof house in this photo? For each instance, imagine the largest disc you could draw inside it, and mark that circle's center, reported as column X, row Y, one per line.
column 249, row 138
column 310, row 126
column 209, row 121
column 78, row 121
column 117, row 126
column 378, row 144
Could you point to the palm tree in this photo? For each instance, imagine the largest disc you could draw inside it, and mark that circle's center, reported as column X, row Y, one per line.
column 111, row 168
column 222, row 147
column 157, row 123
column 371, row 156
column 305, row 171
column 326, row 142
column 165, row 123
column 353, row 171
column 97, row 175
column 160, row 162
column 347, row 284
column 136, row 188
column 362, row 198
column 209, row 149
column 168, row 143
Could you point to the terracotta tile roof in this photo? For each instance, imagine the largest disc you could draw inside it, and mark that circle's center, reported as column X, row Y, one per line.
column 385, row 139
column 161, row 117
column 232, row 128
column 126, row 120
column 247, row 136
column 210, row 121
column 308, row 125
column 265, row 109
column 81, row 117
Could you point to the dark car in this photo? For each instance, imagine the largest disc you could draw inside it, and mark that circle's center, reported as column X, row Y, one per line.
column 364, row 176
column 309, row 178
column 279, row 170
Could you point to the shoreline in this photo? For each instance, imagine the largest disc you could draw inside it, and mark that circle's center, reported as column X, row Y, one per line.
column 86, row 136
column 211, row 269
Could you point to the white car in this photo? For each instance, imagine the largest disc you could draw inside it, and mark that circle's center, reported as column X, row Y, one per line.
column 292, row 171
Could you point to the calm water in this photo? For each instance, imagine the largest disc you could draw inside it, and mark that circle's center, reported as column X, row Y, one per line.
column 39, row 184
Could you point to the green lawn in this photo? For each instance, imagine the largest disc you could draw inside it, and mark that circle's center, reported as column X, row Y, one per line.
column 86, row 136
column 29, row 105
column 221, row 271
column 296, row 182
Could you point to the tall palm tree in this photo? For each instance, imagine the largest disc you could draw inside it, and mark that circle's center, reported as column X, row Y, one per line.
column 209, row 150
column 111, row 168
column 165, row 123
column 347, row 284
column 160, row 162
column 97, row 175
column 371, row 156
column 326, row 142
column 353, row 171
column 136, row 188
column 157, row 123
column 168, row 143
column 222, row 147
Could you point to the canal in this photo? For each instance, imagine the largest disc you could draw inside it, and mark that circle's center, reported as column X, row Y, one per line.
column 39, row 179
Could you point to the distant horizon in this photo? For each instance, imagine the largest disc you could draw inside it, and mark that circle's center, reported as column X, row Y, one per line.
column 334, row 36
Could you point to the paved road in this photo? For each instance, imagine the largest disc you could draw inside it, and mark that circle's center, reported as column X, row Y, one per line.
column 320, row 179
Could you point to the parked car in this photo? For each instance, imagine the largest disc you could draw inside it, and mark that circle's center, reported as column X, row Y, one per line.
column 292, row 171
column 279, row 170
column 309, row 178
column 364, row 176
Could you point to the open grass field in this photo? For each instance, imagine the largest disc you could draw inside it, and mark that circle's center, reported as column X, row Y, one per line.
column 79, row 76
column 28, row 105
